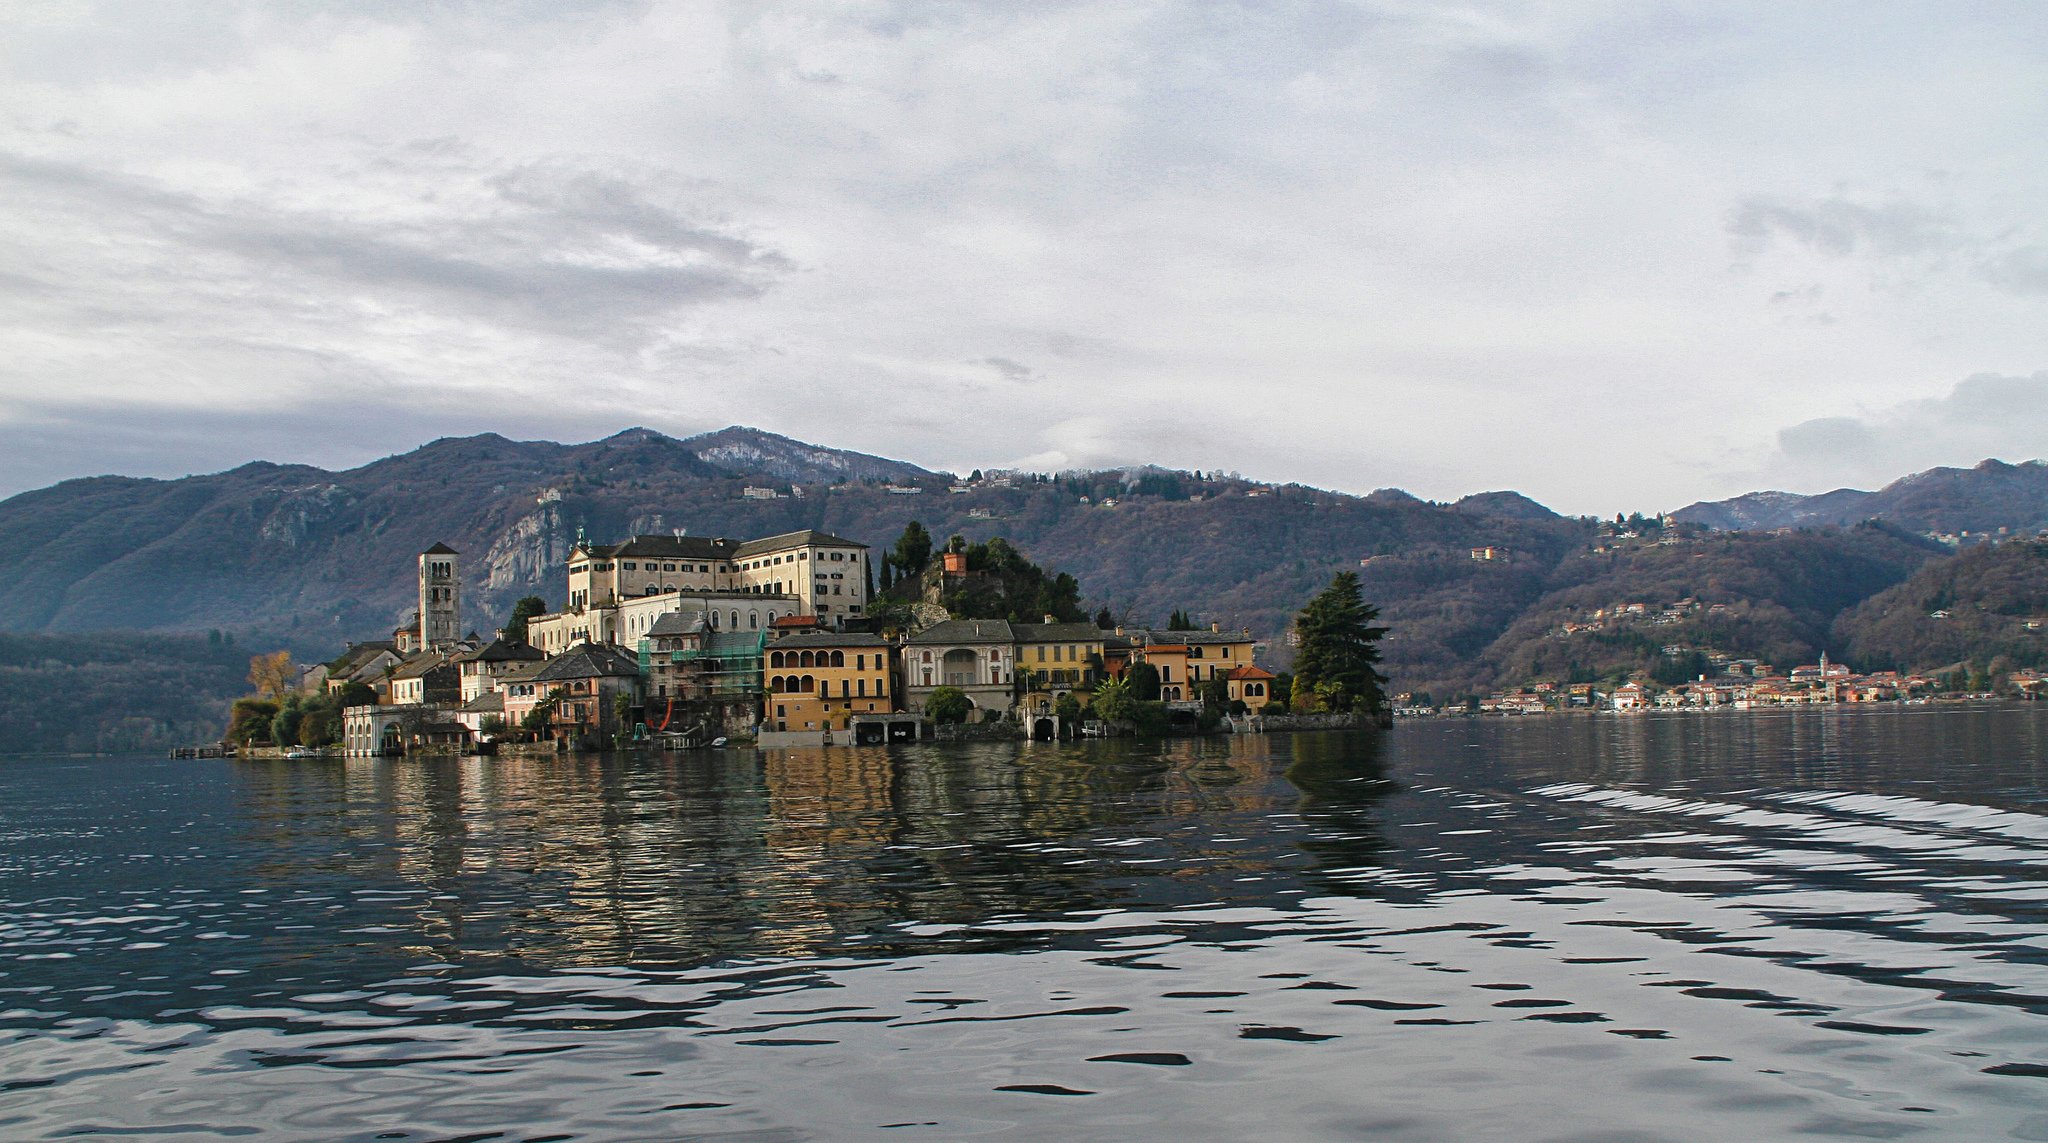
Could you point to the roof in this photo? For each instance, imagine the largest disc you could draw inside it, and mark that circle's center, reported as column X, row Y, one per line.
column 674, row 547
column 828, row 639
column 795, row 621
column 588, row 661
column 500, row 651
column 677, row 623
column 419, row 665
column 489, row 702
column 440, row 550
column 1251, row 673
column 1190, row 638
column 521, row 672
column 358, row 654
column 806, row 538
column 662, row 547
column 1058, row 632
column 967, row 631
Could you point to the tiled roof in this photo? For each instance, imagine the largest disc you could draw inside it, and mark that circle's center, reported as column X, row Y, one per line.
column 418, row 665
column 500, row 651
column 588, row 661
column 806, row 538
column 489, row 702
column 440, row 550
column 678, row 623
column 1251, row 673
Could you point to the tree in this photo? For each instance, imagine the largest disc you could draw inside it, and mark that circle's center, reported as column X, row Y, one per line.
column 1144, row 681
column 913, row 549
column 1114, row 701
column 272, row 675
column 1339, row 645
column 1104, row 620
column 1180, row 621
column 249, row 720
column 525, row 609
column 888, row 573
column 948, row 704
column 1067, row 708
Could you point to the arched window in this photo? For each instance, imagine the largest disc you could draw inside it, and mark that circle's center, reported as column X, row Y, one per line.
column 713, row 615
column 807, row 660
column 774, row 658
column 753, row 620
column 838, row 658
column 735, row 621
column 809, row 684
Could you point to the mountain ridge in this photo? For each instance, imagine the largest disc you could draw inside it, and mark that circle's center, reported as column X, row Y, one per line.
column 1472, row 589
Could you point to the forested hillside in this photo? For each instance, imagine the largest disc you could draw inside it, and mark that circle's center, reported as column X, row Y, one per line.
column 1773, row 597
column 106, row 693
column 1985, row 608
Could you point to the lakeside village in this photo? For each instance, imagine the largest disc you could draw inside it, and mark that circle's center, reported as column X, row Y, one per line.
column 680, row 641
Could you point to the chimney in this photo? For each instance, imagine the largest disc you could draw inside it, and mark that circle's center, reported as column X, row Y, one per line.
column 1119, row 628
column 1216, row 628
column 1051, row 619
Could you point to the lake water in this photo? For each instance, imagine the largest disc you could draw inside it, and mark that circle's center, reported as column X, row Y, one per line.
column 1726, row 927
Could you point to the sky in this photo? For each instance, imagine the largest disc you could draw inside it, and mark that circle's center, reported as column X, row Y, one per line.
column 1618, row 256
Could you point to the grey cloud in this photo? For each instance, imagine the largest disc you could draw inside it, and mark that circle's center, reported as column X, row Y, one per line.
column 1011, row 370
column 1987, row 415
column 1841, row 227
column 549, row 264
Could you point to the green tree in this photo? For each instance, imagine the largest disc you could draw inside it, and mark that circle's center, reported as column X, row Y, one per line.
column 249, row 720
column 1144, row 681
column 1339, row 645
column 1114, row 701
column 1104, row 620
column 913, row 549
column 1180, row 621
column 947, row 704
column 1068, row 708
column 525, row 609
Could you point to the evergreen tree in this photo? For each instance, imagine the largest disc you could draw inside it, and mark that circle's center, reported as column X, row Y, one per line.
column 1339, row 645
column 1180, row 621
column 888, row 573
column 1143, row 679
column 1104, row 620
column 525, row 609
column 913, row 549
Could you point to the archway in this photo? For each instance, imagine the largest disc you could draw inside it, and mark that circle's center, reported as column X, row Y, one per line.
column 1044, row 730
column 961, row 668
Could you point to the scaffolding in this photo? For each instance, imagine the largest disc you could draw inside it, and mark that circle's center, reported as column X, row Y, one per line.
column 727, row 664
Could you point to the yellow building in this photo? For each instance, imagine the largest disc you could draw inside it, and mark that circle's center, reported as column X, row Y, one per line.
column 1252, row 686
column 1058, row 656
column 1187, row 659
column 820, row 681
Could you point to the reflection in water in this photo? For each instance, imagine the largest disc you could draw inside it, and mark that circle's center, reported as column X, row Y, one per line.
column 1802, row 923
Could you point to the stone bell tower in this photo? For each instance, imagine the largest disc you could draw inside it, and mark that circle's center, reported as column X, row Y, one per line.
column 440, row 599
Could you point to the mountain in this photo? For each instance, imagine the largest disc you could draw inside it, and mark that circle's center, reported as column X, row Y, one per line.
column 1940, row 501
column 307, row 558
column 1976, row 608
column 1490, row 590
column 1607, row 612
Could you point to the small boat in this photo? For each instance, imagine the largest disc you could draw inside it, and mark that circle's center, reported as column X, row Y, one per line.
column 301, row 752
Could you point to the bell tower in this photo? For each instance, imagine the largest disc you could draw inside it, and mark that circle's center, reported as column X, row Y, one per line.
column 440, row 599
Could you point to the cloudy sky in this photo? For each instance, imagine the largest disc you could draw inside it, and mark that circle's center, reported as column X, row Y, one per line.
column 1618, row 256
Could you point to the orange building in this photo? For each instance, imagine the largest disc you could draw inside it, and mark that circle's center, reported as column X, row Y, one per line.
column 1252, row 686
column 820, row 680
